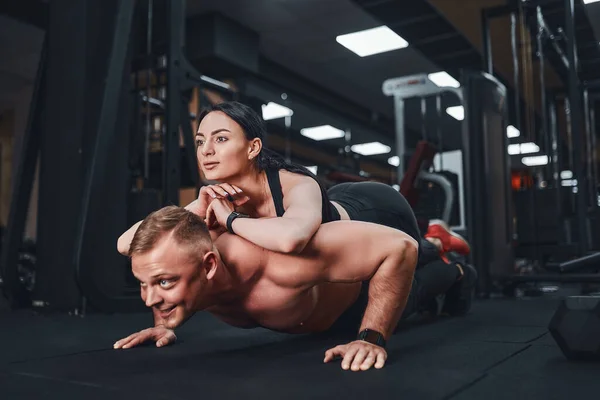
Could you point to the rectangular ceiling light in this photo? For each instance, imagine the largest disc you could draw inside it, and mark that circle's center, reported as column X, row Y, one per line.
column 512, row 132
column 370, row 149
column 395, row 161
column 443, row 79
column 274, row 111
column 529, row 147
column 533, row 161
column 523, row 148
column 589, row 1
column 323, row 132
column 372, row 41
column 514, row 149
column 566, row 174
column 457, row 112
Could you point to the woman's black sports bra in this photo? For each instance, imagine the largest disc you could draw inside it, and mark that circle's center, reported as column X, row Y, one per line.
column 329, row 212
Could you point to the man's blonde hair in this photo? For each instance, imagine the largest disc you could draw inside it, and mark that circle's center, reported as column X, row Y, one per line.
column 188, row 230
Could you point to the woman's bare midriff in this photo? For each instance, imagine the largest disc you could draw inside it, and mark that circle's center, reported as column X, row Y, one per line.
column 343, row 213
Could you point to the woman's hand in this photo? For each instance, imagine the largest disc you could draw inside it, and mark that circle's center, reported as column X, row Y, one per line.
column 209, row 193
column 217, row 213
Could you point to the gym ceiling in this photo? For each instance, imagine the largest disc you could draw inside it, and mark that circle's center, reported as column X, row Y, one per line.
column 325, row 82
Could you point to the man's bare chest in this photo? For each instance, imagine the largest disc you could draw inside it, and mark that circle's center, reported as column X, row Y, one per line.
column 270, row 306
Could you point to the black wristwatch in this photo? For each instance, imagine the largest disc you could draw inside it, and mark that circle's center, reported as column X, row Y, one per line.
column 371, row 336
column 232, row 218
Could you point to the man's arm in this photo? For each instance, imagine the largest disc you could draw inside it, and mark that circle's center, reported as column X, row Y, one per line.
column 385, row 256
column 389, row 289
column 353, row 251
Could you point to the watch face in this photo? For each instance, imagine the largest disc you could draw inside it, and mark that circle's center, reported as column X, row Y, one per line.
column 371, row 336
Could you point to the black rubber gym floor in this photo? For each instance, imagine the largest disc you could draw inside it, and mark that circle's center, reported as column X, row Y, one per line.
column 502, row 350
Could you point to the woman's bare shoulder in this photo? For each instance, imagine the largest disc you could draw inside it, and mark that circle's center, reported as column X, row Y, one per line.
column 290, row 180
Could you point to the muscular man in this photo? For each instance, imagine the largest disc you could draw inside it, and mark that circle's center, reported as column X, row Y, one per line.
column 349, row 271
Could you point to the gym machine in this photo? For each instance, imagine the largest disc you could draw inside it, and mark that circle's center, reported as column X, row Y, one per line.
column 486, row 209
column 579, row 124
column 420, row 86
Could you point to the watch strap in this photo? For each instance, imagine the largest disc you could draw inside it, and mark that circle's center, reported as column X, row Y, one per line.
column 371, row 336
column 232, row 218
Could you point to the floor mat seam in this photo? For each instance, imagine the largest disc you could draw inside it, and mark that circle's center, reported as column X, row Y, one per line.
column 464, row 387
column 538, row 337
column 55, row 356
column 488, row 369
column 74, row 382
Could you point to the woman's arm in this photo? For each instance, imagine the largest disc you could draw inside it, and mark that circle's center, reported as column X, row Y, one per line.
column 125, row 239
column 291, row 232
column 287, row 234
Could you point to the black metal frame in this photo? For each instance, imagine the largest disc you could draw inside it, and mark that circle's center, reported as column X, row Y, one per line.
column 486, row 165
column 559, row 278
column 90, row 289
column 25, row 165
column 575, row 100
column 556, row 161
column 590, row 180
column 171, row 152
column 486, row 15
column 591, row 261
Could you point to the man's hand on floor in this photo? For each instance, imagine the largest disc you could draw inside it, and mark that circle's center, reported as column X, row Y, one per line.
column 358, row 355
column 159, row 334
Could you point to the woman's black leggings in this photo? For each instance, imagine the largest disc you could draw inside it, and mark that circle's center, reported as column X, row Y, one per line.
column 381, row 204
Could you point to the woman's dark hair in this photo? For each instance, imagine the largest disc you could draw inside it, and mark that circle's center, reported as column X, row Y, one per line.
column 254, row 127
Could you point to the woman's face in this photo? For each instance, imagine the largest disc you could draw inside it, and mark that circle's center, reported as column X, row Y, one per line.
column 222, row 148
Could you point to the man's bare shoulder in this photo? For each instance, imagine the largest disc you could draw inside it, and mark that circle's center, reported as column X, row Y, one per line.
column 238, row 252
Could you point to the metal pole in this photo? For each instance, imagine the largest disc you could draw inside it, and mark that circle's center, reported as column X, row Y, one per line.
column 588, row 150
column 543, row 99
column 559, row 52
column 515, row 56
column 488, row 64
column 148, row 91
column 288, row 129
column 438, row 109
column 400, row 144
column 556, row 162
column 171, row 151
column 424, row 118
column 576, row 125
column 594, row 157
